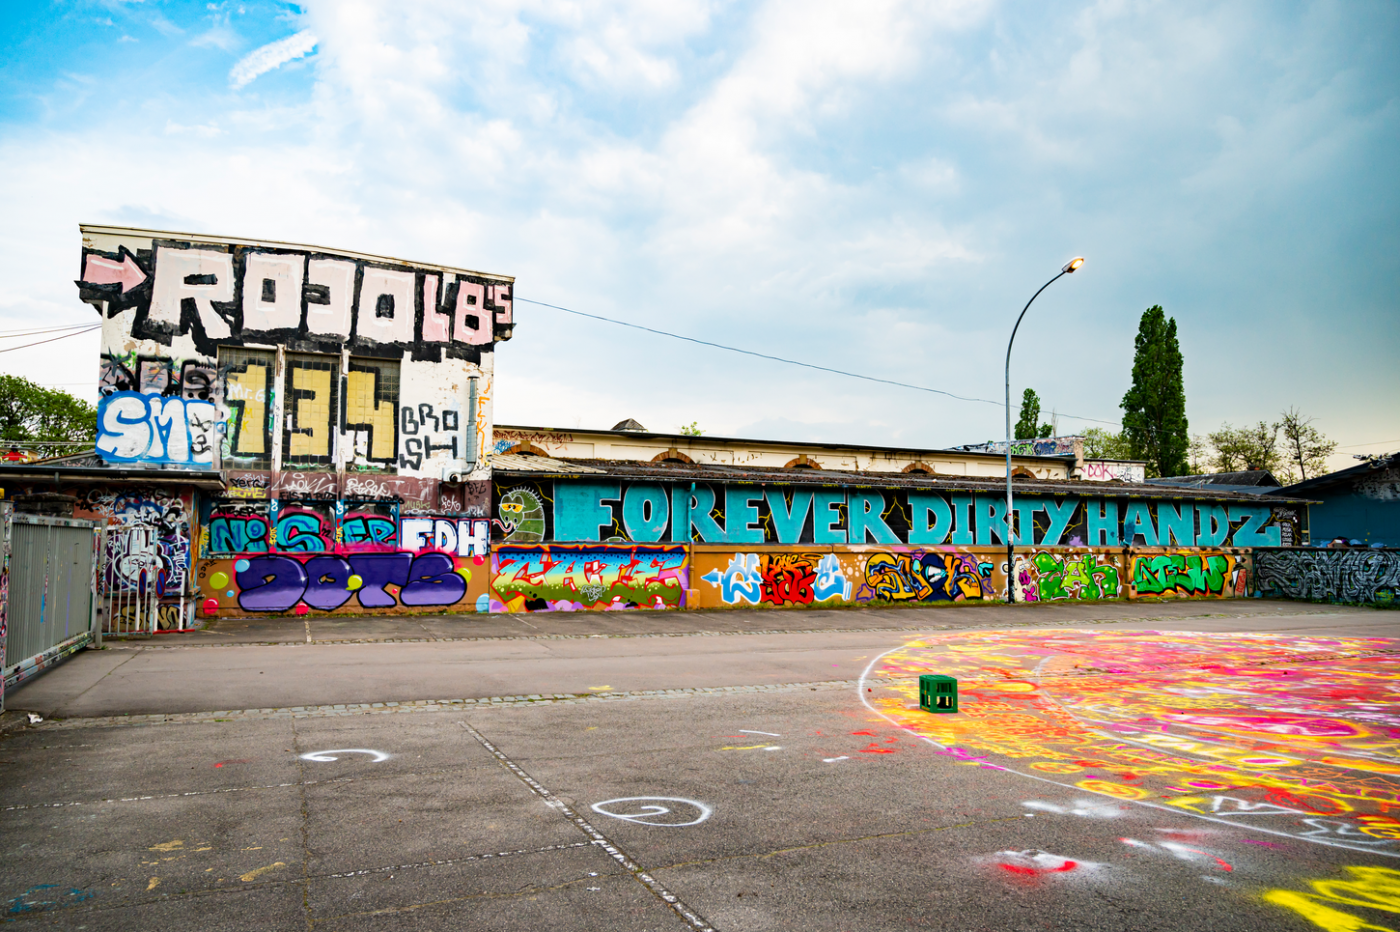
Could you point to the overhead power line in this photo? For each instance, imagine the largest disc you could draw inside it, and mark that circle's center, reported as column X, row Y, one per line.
column 52, row 339
column 794, row 362
column 11, row 334
column 1373, row 443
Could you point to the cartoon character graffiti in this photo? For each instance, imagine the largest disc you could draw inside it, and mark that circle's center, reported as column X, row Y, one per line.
column 956, row 577
column 521, row 517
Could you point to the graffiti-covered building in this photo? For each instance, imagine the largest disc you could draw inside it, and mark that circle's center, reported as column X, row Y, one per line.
column 600, row 534
column 287, row 429
column 341, row 400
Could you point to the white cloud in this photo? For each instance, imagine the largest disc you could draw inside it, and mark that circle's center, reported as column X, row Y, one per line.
column 270, row 57
column 875, row 188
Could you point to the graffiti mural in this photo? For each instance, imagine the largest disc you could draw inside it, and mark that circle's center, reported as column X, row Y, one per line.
column 367, row 526
column 356, row 582
column 779, row 579
column 1050, row 577
column 1276, row 734
column 1329, row 575
column 466, row 537
column 773, row 578
column 1112, row 471
column 351, row 556
column 926, row 576
column 148, row 539
column 611, row 510
column 302, row 526
column 238, row 527
column 428, row 430
column 1190, row 575
column 520, row 517
column 571, row 577
column 132, row 427
column 221, row 294
column 274, row 357
column 246, row 484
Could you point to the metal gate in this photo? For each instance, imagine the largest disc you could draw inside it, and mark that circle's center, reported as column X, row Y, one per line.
column 51, row 609
column 134, row 583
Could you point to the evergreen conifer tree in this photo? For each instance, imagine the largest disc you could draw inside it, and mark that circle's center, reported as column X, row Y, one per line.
column 1154, row 409
column 1029, row 422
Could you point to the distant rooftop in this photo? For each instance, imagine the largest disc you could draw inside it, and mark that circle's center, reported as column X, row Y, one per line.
column 1255, row 481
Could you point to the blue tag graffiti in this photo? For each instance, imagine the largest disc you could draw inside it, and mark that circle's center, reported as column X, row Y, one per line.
column 369, row 529
column 137, row 428
column 228, row 534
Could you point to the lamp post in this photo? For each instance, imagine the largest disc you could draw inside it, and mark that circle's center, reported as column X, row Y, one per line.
column 1070, row 266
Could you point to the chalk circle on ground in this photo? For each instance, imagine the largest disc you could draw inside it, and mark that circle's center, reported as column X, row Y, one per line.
column 325, row 756
column 669, row 811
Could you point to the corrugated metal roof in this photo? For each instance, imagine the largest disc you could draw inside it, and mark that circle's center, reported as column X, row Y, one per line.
column 525, row 462
column 1260, row 478
column 687, row 472
column 911, row 452
column 1341, row 476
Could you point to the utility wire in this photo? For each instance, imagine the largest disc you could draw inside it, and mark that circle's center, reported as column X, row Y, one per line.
column 791, row 362
column 9, row 334
column 51, row 339
column 1373, row 443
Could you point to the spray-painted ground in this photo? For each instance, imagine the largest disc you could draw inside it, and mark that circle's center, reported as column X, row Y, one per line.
column 1092, row 780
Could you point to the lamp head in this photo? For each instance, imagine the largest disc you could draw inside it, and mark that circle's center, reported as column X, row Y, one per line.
column 1073, row 264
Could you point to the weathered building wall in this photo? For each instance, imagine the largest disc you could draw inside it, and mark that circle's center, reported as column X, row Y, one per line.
column 263, row 356
column 344, row 398
column 1366, row 509
column 645, row 447
column 1317, row 575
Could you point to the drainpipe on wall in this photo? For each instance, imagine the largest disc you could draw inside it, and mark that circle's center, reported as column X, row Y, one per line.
column 689, row 543
column 469, row 447
column 7, row 513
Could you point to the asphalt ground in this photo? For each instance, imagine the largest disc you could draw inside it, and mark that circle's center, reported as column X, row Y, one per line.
column 691, row 779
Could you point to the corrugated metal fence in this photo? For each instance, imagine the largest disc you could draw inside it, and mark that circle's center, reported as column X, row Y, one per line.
column 51, row 578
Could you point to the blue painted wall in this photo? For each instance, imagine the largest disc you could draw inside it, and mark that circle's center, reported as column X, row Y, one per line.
column 1345, row 513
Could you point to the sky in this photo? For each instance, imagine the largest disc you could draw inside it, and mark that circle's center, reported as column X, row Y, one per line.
column 876, row 187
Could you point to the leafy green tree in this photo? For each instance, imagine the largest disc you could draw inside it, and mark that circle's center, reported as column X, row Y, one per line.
column 1304, row 446
column 1100, row 444
column 1029, row 426
column 1154, row 408
column 1239, row 448
column 1199, row 455
column 692, row 429
column 31, row 414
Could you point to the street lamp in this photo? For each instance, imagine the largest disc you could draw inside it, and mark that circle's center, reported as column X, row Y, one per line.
column 1070, row 266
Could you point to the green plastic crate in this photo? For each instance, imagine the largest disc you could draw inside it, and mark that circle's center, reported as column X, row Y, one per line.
column 938, row 693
